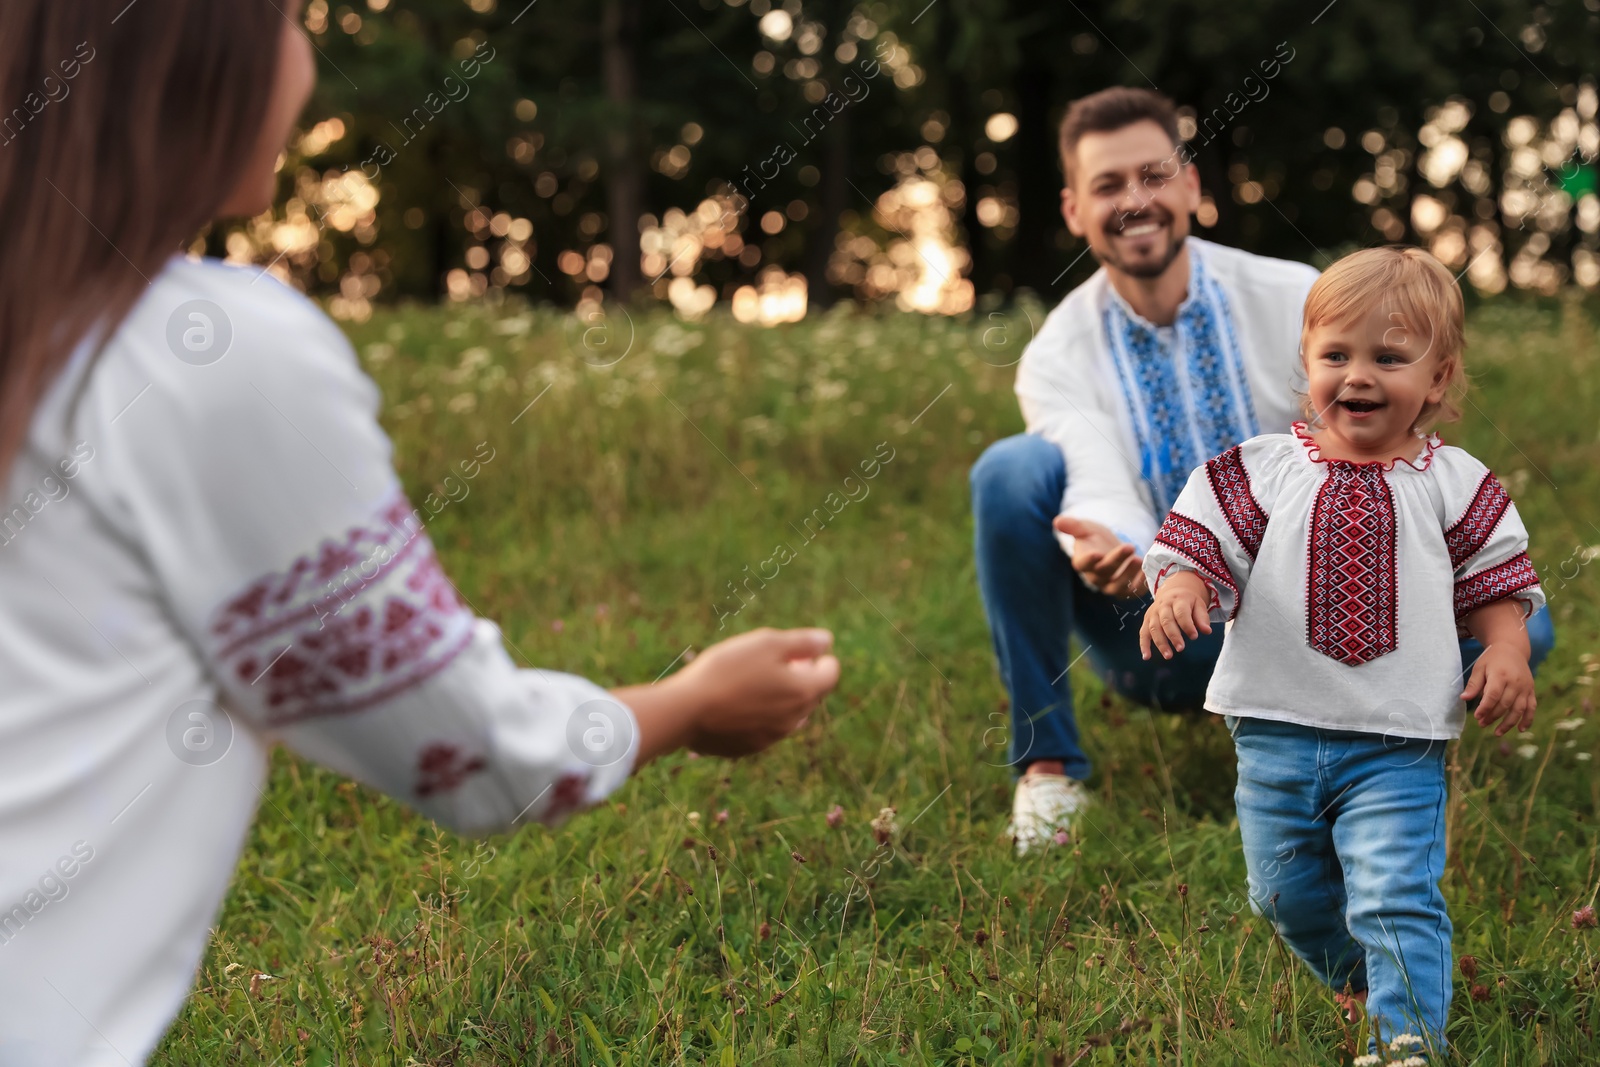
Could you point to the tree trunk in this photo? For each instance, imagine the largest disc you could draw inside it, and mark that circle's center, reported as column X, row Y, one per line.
column 963, row 135
column 835, row 199
column 442, row 228
column 1034, row 253
column 619, row 32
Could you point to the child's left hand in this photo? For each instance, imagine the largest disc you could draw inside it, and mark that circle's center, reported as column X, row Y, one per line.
column 1501, row 676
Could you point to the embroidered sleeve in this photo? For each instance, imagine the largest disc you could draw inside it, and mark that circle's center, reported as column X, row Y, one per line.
column 1468, row 535
column 262, row 496
column 1488, row 547
column 1230, row 485
column 360, row 655
column 361, row 618
column 1192, row 547
column 1202, row 534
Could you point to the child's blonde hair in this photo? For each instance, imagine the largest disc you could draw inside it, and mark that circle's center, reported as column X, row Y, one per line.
column 1419, row 289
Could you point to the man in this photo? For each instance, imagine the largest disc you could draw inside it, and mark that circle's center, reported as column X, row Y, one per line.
column 1174, row 351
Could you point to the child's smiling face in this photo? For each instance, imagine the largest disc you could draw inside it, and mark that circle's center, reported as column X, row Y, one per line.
column 1370, row 376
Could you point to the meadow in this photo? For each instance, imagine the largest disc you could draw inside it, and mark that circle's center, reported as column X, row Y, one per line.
column 713, row 912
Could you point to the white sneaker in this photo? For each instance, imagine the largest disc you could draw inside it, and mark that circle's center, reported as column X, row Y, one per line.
column 1044, row 804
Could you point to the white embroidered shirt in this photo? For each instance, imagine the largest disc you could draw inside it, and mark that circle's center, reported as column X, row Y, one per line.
column 206, row 552
column 1342, row 584
column 1134, row 407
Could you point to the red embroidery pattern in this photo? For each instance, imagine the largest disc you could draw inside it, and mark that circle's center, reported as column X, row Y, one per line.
column 1230, row 483
column 1352, row 587
column 1496, row 583
column 344, row 627
column 570, row 793
column 1199, row 547
column 442, row 767
column 1467, row 536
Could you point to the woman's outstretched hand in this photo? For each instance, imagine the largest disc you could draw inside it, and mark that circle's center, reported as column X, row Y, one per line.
column 738, row 696
column 758, row 687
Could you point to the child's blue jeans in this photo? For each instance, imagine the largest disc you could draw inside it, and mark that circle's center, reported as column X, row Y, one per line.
column 1344, row 844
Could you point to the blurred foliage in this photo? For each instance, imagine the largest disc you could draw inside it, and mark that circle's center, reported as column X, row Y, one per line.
column 456, row 147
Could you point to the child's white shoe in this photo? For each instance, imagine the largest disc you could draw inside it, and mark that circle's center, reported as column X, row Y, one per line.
column 1045, row 804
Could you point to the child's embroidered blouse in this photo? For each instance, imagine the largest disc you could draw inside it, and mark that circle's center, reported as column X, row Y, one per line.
column 1343, row 584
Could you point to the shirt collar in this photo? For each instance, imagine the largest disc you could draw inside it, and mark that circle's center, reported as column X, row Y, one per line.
column 1188, row 310
column 1313, row 454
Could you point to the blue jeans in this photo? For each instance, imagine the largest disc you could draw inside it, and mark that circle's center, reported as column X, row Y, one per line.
column 1034, row 600
column 1344, row 846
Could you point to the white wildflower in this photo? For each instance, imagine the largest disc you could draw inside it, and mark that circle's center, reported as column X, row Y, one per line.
column 1369, row 1060
column 884, row 827
column 1584, row 756
column 673, row 340
column 1405, row 1041
column 1569, row 724
column 1527, row 751
column 1412, row 1061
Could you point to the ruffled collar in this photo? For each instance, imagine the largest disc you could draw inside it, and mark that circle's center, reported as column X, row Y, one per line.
column 1314, row 453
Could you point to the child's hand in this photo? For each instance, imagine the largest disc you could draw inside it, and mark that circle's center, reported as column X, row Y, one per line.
column 1501, row 676
column 1182, row 607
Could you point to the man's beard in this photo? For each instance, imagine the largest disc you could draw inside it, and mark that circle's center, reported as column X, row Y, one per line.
column 1150, row 269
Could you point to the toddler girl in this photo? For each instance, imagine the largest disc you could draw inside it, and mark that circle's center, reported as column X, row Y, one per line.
column 1345, row 557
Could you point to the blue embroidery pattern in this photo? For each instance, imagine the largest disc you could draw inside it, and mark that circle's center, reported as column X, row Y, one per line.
column 1188, row 398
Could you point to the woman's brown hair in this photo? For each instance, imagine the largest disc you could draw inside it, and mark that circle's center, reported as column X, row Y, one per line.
column 123, row 129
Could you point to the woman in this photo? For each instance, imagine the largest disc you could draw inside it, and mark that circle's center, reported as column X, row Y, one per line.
column 201, row 514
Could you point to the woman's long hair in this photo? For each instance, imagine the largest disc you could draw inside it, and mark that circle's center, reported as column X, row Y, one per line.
column 123, row 129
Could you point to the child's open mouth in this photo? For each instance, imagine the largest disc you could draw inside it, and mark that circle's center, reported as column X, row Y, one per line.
column 1360, row 408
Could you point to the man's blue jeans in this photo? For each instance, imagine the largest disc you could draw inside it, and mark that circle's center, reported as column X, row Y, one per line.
column 1344, row 845
column 1034, row 600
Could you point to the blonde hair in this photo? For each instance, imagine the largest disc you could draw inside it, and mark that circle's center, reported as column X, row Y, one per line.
column 1419, row 289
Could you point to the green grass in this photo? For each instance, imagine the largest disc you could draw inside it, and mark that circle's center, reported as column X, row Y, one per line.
column 608, row 525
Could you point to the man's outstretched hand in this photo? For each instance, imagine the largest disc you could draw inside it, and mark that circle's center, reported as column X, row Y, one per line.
column 1105, row 561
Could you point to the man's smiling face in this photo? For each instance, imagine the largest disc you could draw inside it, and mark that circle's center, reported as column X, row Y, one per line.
column 1130, row 198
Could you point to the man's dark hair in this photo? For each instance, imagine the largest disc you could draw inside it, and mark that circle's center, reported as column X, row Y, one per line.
column 1112, row 109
